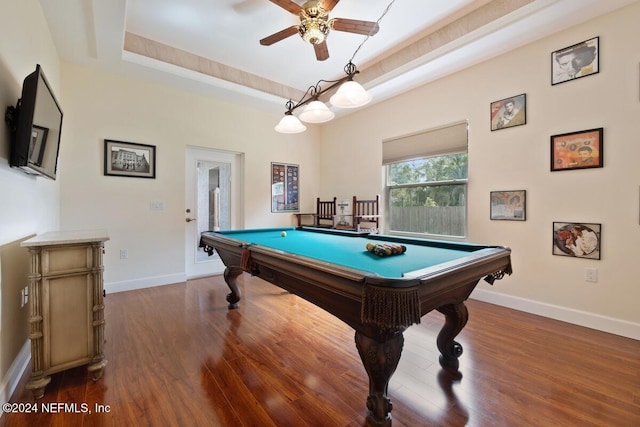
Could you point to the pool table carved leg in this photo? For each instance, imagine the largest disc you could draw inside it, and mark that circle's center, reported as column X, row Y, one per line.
column 380, row 360
column 456, row 316
column 230, row 276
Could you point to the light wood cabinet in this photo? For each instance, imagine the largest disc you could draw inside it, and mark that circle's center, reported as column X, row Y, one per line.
column 66, row 311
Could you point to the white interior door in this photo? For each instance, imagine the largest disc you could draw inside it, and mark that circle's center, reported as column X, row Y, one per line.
column 212, row 202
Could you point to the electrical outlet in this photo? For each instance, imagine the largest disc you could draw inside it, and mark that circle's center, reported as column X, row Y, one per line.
column 124, row 254
column 591, row 274
column 24, row 296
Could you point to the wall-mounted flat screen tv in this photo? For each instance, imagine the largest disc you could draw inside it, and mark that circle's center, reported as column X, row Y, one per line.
column 36, row 125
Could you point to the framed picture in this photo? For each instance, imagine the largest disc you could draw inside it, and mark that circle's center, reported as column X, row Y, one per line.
column 344, row 214
column 285, row 181
column 575, row 239
column 509, row 112
column 580, row 60
column 577, row 150
column 509, row 205
column 129, row 159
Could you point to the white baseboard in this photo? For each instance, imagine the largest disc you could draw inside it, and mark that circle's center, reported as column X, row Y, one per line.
column 582, row 318
column 17, row 368
column 146, row 282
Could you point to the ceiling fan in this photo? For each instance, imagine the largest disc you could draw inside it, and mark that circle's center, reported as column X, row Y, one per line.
column 315, row 25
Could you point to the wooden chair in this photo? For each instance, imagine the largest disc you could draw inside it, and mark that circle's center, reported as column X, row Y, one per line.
column 366, row 214
column 325, row 213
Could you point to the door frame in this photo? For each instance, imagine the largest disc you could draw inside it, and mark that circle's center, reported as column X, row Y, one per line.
column 193, row 154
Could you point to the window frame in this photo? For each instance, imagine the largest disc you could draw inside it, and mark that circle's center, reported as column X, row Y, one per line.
column 464, row 182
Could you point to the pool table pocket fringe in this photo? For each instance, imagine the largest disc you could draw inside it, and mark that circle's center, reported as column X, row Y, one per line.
column 390, row 308
column 246, row 263
column 498, row 274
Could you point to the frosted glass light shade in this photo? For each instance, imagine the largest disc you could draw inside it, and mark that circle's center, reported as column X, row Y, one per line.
column 350, row 95
column 290, row 124
column 316, row 112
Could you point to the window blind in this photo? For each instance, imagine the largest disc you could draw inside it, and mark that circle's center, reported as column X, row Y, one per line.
column 434, row 142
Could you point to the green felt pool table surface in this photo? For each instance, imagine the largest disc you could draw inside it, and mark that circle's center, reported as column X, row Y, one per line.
column 349, row 249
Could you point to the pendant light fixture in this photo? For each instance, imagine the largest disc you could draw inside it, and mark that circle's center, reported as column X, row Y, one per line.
column 316, row 112
column 350, row 94
column 290, row 123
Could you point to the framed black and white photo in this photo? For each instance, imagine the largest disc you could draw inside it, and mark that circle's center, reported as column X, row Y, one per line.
column 576, row 239
column 508, row 205
column 129, row 159
column 509, row 112
column 573, row 62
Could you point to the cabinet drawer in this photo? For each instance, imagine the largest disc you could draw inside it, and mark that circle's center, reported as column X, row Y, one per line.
column 58, row 260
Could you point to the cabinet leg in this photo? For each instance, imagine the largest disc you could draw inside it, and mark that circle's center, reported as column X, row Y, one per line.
column 37, row 385
column 97, row 368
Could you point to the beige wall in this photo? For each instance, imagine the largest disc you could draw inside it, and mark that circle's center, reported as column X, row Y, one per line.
column 518, row 158
column 27, row 205
column 111, row 106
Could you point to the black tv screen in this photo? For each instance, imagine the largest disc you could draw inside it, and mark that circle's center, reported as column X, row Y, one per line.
column 36, row 128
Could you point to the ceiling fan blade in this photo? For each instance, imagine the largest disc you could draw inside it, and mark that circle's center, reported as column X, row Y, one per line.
column 288, row 5
column 328, row 5
column 366, row 28
column 322, row 51
column 280, row 35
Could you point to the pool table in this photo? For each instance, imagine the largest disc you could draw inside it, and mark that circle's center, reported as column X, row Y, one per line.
column 378, row 296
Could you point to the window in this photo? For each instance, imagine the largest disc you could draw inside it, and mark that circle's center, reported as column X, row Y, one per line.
column 426, row 182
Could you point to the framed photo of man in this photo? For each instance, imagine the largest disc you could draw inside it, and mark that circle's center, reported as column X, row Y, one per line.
column 580, row 240
column 580, row 60
column 509, row 112
column 577, row 150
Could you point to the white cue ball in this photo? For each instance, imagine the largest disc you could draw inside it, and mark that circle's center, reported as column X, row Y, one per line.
column 283, row 234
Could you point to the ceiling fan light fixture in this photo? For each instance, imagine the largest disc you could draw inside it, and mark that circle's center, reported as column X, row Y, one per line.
column 314, row 30
column 290, row 124
column 350, row 95
column 316, row 112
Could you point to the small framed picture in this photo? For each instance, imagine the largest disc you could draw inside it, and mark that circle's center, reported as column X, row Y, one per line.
column 285, row 182
column 575, row 239
column 508, row 205
column 580, row 60
column 129, row 159
column 577, row 150
column 509, row 112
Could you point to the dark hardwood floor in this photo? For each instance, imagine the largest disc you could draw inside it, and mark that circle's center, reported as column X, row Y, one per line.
column 178, row 357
